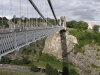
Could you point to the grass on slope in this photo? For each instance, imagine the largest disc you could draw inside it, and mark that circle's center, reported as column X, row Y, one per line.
column 84, row 38
column 47, row 59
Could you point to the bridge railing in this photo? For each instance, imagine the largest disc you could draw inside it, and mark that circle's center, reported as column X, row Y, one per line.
column 12, row 41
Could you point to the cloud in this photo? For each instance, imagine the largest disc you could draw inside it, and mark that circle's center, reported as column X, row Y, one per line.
column 87, row 10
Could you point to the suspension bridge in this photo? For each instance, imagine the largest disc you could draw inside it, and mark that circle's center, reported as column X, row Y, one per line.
column 27, row 29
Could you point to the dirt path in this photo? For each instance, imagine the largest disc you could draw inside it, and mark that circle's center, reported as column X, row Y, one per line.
column 17, row 67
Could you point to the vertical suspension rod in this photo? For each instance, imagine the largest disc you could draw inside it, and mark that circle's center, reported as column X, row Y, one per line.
column 33, row 4
column 50, row 4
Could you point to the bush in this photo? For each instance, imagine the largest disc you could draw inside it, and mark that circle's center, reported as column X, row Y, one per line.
column 17, row 62
column 55, row 72
column 34, row 68
column 25, row 60
column 26, row 51
column 50, row 70
column 40, row 52
column 5, row 60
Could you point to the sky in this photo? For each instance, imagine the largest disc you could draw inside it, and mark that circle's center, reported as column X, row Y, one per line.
column 86, row 10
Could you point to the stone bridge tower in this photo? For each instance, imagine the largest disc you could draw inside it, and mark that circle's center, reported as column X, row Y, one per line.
column 63, row 21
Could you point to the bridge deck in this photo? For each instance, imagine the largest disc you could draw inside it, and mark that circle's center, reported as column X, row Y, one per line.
column 11, row 41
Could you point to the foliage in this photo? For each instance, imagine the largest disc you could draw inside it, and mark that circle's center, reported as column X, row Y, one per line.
column 50, row 70
column 55, row 72
column 96, row 28
column 81, row 25
column 73, row 72
column 72, row 24
column 45, row 58
column 4, row 22
column 34, row 68
column 5, row 60
column 84, row 38
column 24, row 61
column 26, row 51
column 17, row 62
column 40, row 52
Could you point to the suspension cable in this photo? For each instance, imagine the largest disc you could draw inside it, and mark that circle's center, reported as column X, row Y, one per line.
column 36, row 17
column 20, row 8
column 32, row 18
column 38, row 11
column 2, row 15
column 29, row 18
column 40, row 16
column 50, row 4
column 28, row 14
column 44, row 11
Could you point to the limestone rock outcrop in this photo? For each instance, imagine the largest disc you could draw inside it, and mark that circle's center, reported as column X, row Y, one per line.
column 53, row 44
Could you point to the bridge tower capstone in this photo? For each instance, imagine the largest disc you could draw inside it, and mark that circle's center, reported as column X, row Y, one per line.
column 63, row 21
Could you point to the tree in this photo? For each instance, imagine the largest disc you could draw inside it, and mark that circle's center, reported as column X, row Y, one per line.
column 49, row 69
column 55, row 72
column 82, row 25
column 4, row 22
column 72, row 24
column 96, row 28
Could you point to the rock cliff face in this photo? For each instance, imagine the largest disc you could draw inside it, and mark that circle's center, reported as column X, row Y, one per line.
column 53, row 44
column 87, row 63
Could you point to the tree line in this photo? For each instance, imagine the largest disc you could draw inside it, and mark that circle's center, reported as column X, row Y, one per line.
column 4, row 20
column 80, row 25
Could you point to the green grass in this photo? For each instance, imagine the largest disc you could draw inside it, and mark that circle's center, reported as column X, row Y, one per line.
column 14, row 72
column 47, row 59
column 43, row 64
column 85, row 37
column 71, row 66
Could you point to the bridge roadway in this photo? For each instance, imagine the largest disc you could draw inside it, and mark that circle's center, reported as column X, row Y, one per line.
column 11, row 41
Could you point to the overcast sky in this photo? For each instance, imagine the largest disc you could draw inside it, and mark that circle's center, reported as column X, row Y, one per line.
column 86, row 10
